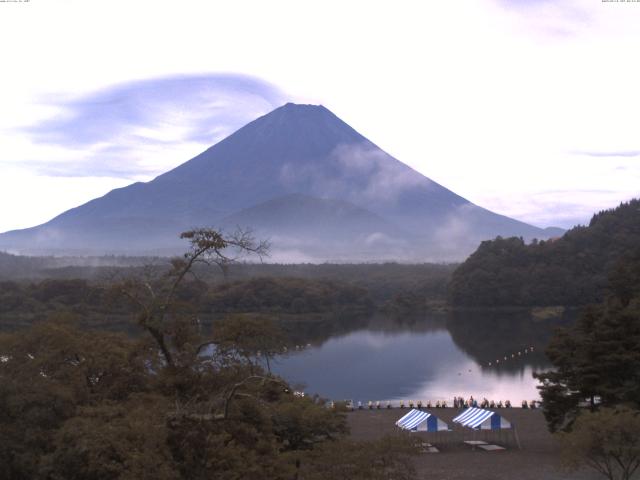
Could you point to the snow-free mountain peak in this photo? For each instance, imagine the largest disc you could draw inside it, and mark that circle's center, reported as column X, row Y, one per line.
column 293, row 150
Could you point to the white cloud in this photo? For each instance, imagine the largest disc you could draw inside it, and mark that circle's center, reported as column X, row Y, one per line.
column 361, row 173
column 490, row 98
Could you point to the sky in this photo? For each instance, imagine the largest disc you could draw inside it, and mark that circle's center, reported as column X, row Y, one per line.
column 526, row 107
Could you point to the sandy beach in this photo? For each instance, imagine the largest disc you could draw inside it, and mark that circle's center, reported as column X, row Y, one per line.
column 537, row 460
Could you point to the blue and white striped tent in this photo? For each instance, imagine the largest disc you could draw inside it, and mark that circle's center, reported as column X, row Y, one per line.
column 419, row 421
column 482, row 419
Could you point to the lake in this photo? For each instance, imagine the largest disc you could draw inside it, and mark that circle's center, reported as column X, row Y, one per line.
column 430, row 357
column 484, row 354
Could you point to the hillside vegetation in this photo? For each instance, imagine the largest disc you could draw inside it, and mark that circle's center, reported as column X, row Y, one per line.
column 571, row 270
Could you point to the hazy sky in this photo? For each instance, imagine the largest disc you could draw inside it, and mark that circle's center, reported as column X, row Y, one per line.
column 527, row 107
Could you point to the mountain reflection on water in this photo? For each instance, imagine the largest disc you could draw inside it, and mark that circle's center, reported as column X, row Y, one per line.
column 429, row 358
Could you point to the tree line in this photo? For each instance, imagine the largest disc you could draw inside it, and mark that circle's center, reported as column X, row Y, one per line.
column 261, row 295
column 592, row 395
column 571, row 270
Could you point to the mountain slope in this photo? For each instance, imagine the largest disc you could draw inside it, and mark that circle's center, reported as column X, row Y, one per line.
column 307, row 227
column 296, row 149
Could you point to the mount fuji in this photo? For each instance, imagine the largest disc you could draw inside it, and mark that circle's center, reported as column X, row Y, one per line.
column 300, row 176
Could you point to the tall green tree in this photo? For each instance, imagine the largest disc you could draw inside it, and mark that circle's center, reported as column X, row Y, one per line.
column 597, row 361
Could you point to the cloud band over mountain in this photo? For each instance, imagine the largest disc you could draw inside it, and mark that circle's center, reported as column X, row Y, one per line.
column 120, row 127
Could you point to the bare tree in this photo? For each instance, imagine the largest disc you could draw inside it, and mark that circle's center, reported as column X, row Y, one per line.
column 154, row 294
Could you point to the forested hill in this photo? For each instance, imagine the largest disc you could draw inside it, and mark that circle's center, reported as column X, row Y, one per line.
column 571, row 270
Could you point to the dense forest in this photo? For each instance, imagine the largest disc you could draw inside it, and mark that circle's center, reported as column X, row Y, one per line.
column 308, row 303
column 26, row 302
column 32, row 288
column 175, row 401
column 288, row 295
column 597, row 357
column 591, row 396
column 190, row 394
column 571, row 270
column 78, row 403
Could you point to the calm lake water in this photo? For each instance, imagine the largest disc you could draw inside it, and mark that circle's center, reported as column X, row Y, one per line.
column 431, row 358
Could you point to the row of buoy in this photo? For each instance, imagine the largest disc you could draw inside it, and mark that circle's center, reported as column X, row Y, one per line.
column 296, row 347
column 419, row 405
column 285, row 349
column 512, row 356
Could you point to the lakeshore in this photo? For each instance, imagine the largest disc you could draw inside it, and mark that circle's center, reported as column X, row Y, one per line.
column 538, row 458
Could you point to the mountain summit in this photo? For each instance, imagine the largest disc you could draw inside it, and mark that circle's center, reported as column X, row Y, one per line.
column 340, row 196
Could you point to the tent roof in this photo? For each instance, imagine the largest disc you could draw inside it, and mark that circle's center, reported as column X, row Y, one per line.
column 481, row 418
column 421, row 421
column 412, row 419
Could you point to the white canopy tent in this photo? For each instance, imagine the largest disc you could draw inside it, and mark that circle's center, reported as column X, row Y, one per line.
column 482, row 419
column 479, row 419
column 420, row 421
